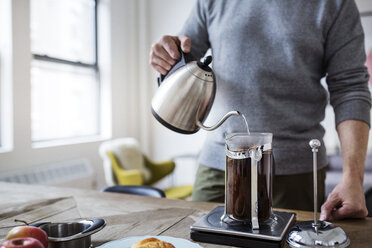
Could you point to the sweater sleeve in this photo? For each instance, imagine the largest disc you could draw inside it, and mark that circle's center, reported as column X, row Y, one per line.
column 196, row 28
column 347, row 76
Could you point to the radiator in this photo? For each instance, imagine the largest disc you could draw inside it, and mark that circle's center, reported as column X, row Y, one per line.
column 77, row 173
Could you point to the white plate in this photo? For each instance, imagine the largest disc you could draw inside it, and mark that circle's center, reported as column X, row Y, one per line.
column 127, row 242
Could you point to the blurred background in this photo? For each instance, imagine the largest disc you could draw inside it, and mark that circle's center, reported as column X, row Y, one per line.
column 76, row 73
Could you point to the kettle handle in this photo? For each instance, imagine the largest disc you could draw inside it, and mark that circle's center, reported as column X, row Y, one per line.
column 185, row 58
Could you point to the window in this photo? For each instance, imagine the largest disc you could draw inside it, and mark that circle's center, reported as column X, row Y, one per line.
column 5, row 76
column 65, row 88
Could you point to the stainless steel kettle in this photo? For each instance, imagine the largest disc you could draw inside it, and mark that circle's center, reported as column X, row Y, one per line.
column 185, row 96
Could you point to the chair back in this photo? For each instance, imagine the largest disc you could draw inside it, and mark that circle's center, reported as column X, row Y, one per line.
column 128, row 156
column 136, row 190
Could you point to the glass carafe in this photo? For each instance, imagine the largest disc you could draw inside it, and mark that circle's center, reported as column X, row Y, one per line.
column 248, row 190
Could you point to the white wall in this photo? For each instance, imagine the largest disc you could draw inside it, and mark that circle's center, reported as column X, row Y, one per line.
column 364, row 5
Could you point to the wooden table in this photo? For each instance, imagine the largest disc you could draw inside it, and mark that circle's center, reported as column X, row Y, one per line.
column 126, row 215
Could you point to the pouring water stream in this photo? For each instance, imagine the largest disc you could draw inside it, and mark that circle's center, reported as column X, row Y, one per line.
column 246, row 123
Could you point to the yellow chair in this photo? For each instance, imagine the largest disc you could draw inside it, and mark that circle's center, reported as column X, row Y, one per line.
column 125, row 164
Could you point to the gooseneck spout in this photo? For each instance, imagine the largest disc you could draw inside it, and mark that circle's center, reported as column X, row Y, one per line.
column 219, row 123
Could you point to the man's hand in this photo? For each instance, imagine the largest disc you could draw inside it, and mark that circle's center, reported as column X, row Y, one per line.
column 347, row 198
column 165, row 53
column 345, row 201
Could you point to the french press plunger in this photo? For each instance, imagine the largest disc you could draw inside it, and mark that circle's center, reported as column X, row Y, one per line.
column 316, row 233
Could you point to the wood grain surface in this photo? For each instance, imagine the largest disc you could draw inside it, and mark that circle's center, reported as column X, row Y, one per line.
column 126, row 215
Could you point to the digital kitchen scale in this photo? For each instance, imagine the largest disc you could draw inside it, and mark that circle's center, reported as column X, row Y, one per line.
column 271, row 233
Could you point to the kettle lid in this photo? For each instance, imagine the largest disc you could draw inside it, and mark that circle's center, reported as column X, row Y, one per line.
column 200, row 71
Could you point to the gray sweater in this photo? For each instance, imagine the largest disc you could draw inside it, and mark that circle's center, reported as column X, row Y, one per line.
column 268, row 58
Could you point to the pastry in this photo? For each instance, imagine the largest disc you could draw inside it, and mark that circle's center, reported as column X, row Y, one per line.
column 152, row 243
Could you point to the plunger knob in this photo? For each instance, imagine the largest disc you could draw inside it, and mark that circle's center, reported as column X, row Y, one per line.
column 314, row 144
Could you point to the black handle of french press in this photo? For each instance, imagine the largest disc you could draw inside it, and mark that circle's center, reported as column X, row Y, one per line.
column 185, row 58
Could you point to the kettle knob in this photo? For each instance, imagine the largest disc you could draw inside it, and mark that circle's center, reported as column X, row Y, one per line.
column 207, row 60
column 205, row 63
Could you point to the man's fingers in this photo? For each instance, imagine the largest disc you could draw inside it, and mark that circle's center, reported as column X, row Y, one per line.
column 160, row 69
column 165, row 53
column 159, row 64
column 158, row 50
column 157, row 61
column 170, row 45
column 185, row 43
column 332, row 202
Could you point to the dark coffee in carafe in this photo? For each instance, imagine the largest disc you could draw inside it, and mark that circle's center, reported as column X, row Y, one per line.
column 238, row 199
column 238, row 187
